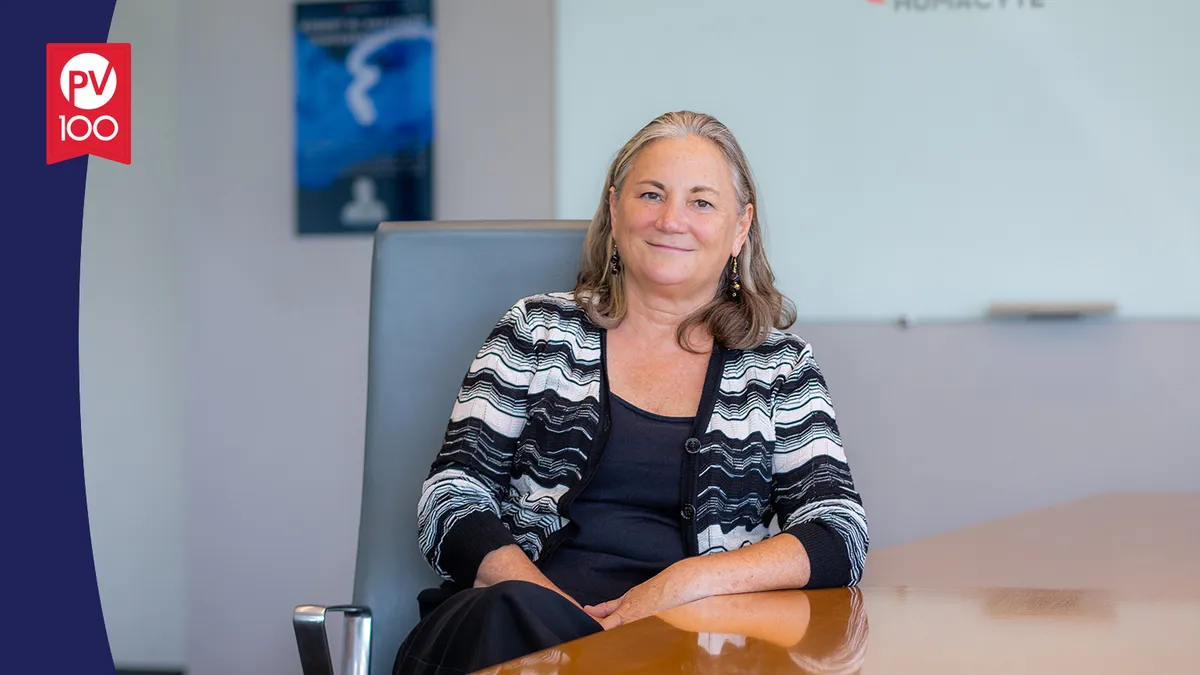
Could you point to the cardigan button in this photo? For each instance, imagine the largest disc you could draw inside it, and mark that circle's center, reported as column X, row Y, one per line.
column 692, row 445
column 688, row 511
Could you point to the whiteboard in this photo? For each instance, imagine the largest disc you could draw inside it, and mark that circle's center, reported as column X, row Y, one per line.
column 921, row 163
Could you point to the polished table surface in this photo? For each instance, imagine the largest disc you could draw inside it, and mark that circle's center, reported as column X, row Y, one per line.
column 1108, row 584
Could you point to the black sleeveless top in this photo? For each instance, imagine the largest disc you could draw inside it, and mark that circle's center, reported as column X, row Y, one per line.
column 628, row 515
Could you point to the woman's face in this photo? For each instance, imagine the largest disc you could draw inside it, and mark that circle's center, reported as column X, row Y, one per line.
column 676, row 220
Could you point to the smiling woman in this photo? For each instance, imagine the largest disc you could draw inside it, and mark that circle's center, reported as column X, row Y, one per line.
column 647, row 440
column 694, row 156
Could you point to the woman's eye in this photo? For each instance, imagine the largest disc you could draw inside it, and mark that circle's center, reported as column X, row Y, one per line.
column 653, row 196
column 703, row 204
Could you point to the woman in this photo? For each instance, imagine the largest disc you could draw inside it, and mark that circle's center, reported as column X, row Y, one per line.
column 633, row 445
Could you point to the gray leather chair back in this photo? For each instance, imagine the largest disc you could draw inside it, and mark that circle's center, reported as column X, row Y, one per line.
column 437, row 289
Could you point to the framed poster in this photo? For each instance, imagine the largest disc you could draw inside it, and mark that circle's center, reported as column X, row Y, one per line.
column 364, row 114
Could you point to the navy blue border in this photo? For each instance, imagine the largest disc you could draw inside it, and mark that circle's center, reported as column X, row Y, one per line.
column 53, row 622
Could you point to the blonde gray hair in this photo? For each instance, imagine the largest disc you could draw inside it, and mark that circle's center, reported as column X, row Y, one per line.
column 741, row 323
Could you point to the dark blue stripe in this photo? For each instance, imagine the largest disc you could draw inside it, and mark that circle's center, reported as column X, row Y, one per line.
column 55, row 623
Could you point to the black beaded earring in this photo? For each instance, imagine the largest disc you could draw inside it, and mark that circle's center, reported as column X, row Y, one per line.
column 735, row 281
column 615, row 262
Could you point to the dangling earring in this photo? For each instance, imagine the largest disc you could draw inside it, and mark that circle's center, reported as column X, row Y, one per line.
column 735, row 281
column 615, row 262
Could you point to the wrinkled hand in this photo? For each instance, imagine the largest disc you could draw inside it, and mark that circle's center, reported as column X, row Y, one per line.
column 668, row 589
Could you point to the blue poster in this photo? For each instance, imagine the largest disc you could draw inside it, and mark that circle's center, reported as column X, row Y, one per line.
column 364, row 114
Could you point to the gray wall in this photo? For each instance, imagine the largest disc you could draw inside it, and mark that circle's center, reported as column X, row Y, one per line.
column 276, row 327
column 495, row 124
column 952, row 424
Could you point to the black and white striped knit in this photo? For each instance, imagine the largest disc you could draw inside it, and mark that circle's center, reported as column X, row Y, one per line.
column 529, row 425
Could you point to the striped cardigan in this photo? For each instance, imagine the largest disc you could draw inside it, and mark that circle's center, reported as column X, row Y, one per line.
column 530, row 422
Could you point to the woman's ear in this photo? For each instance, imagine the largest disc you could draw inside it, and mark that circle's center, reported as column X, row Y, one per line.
column 612, row 198
column 743, row 229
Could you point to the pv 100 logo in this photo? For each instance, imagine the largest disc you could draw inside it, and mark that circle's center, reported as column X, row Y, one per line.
column 88, row 102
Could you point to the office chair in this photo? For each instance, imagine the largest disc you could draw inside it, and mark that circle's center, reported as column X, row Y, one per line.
column 437, row 289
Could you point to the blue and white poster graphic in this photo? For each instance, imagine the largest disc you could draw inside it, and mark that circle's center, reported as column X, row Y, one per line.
column 364, row 114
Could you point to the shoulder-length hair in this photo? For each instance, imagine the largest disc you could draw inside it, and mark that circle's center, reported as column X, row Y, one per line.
column 741, row 323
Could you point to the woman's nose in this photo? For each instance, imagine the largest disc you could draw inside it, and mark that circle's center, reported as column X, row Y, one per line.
column 672, row 217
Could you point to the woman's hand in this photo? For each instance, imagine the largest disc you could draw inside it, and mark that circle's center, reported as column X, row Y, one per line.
column 672, row 587
column 780, row 562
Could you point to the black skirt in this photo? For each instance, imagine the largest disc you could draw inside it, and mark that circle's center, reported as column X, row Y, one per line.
column 465, row 630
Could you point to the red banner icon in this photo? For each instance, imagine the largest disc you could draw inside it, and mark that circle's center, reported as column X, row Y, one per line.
column 88, row 102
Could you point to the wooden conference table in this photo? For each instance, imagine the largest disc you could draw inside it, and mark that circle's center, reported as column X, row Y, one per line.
column 1107, row 584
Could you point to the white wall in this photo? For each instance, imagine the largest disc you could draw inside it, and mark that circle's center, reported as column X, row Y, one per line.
column 923, row 163
column 275, row 335
column 130, row 370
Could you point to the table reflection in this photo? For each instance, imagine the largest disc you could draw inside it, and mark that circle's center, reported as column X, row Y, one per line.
column 803, row 632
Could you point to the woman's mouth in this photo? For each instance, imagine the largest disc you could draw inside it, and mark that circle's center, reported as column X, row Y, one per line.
column 667, row 247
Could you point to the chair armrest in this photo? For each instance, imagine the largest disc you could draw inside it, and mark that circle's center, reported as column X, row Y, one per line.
column 313, row 641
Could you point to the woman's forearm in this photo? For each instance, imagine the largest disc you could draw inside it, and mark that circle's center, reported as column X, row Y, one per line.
column 509, row 563
column 773, row 564
column 777, row 563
